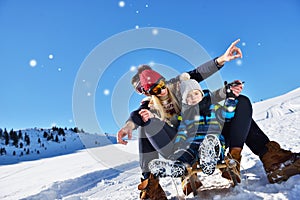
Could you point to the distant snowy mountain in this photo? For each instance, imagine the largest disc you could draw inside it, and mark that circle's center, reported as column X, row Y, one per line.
column 112, row 171
column 37, row 143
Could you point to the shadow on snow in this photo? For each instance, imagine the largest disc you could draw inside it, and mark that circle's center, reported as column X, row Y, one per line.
column 81, row 184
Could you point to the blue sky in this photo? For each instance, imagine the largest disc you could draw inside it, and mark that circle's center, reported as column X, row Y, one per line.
column 43, row 45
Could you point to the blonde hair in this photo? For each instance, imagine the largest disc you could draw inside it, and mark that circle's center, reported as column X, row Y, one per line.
column 156, row 105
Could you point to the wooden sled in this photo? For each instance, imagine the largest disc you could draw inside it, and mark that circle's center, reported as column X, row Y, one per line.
column 228, row 164
column 208, row 161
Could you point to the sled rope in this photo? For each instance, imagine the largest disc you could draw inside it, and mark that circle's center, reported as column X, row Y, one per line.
column 177, row 193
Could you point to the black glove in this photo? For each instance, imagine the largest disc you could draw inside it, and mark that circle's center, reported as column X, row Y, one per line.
column 229, row 93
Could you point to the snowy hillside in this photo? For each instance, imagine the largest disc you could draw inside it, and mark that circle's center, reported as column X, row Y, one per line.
column 278, row 106
column 112, row 171
column 37, row 143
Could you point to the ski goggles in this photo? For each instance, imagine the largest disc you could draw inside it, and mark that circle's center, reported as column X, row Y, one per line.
column 155, row 89
column 138, row 87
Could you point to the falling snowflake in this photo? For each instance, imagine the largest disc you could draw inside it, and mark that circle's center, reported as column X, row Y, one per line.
column 258, row 44
column 32, row 63
column 132, row 68
column 146, row 5
column 244, row 44
column 50, row 56
column 137, row 12
column 239, row 62
column 151, row 63
column 155, row 31
column 106, row 92
column 59, row 69
column 89, row 94
column 121, row 4
column 137, row 27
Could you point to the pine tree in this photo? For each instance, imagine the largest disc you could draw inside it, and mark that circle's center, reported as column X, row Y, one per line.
column 56, row 139
column 27, row 139
column 1, row 133
column 20, row 135
column 2, row 151
column 50, row 137
column 14, row 137
column 76, row 130
column 45, row 135
column 61, row 132
column 6, row 137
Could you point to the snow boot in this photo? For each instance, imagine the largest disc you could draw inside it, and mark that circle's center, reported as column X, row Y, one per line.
column 167, row 168
column 151, row 189
column 234, row 156
column 280, row 164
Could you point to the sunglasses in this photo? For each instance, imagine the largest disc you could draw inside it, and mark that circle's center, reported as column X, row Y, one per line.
column 156, row 88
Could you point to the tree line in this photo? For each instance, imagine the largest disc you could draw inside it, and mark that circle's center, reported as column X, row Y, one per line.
column 20, row 140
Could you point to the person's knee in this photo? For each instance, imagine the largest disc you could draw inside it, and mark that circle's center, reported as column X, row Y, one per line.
column 154, row 126
column 244, row 102
column 244, row 98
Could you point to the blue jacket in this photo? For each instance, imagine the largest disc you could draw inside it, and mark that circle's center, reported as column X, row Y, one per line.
column 207, row 117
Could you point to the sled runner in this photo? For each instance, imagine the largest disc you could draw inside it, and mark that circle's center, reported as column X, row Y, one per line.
column 229, row 165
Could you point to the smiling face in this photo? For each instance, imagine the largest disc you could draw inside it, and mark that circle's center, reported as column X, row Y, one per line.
column 164, row 92
column 194, row 97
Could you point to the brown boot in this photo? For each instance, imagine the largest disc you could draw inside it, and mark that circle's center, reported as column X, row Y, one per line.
column 151, row 189
column 186, row 184
column 280, row 164
column 235, row 154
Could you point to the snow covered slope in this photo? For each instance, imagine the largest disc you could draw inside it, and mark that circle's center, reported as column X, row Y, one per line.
column 112, row 171
column 278, row 106
column 44, row 143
